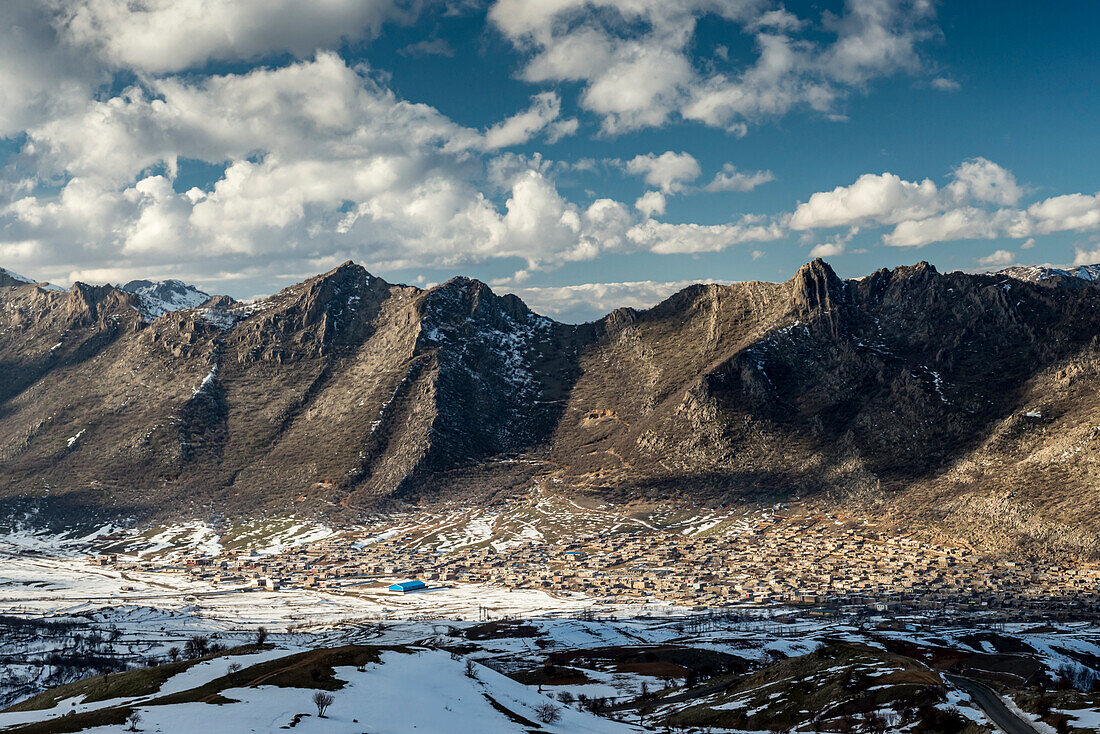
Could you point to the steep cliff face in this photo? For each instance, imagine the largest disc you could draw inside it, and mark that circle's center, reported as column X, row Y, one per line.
column 948, row 394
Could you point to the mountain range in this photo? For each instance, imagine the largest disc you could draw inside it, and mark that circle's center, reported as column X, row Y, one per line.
column 960, row 403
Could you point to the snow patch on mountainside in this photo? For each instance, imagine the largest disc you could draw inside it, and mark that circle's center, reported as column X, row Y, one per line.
column 165, row 296
column 1035, row 273
column 16, row 276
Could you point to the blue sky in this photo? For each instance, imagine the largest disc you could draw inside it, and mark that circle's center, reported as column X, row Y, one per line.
column 581, row 153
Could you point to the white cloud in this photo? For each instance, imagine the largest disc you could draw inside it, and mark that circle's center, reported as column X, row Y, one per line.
column 1086, row 257
column 983, row 180
column 1028, row 243
column 555, row 131
column 1066, row 212
column 965, row 223
column 945, row 84
column 837, row 246
column 171, row 35
column 40, row 75
column 1069, row 212
column 651, row 203
column 323, row 162
column 670, row 171
column 828, row 249
column 635, row 57
column 924, row 213
column 875, row 37
column 667, row 238
column 730, row 179
column 520, row 128
column 883, row 198
column 997, row 257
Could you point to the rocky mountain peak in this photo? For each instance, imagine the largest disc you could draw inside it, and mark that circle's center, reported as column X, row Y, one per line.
column 221, row 302
column 91, row 303
column 469, row 300
column 817, row 288
column 923, row 269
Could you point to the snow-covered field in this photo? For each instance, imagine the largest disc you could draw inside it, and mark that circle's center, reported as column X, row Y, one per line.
column 416, row 690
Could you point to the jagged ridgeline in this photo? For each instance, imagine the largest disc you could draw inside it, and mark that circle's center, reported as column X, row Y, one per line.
column 955, row 393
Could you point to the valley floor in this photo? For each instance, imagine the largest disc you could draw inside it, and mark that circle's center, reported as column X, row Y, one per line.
column 483, row 657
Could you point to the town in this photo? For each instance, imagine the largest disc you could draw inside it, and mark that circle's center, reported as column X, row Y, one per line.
column 790, row 555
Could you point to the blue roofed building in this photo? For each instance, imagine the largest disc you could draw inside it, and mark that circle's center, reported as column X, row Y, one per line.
column 406, row 586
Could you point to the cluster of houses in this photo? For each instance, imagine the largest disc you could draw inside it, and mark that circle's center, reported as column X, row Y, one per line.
column 807, row 557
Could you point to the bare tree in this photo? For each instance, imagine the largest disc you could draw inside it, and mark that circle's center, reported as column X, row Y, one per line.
column 261, row 635
column 133, row 720
column 548, row 712
column 196, row 646
column 875, row 722
column 233, row 668
column 470, row 670
column 322, row 701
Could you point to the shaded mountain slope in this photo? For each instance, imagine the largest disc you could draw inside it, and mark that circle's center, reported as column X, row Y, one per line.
column 332, row 392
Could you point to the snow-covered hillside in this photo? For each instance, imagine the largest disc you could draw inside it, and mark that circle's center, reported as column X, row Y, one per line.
column 383, row 691
column 159, row 297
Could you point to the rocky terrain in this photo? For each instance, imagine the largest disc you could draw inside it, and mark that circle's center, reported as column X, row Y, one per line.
column 965, row 401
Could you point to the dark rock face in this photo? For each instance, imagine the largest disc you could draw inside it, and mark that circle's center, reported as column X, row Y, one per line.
column 926, row 389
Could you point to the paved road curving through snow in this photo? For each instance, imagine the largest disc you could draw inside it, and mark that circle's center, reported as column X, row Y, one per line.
column 992, row 705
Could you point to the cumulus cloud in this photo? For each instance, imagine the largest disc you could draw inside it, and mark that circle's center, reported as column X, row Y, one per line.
column 651, row 203
column 983, row 180
column 730, row 179
column 171, row 35
column 1083, row 256
column 923, row 212
column 880, row 198
column 997, row 258
column 966, row 223
column 1067, row 212
column 836, row 246
column 670, row 171
column 40, row 74
column 827, row 249
column 635, row 59
column 320, row 161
